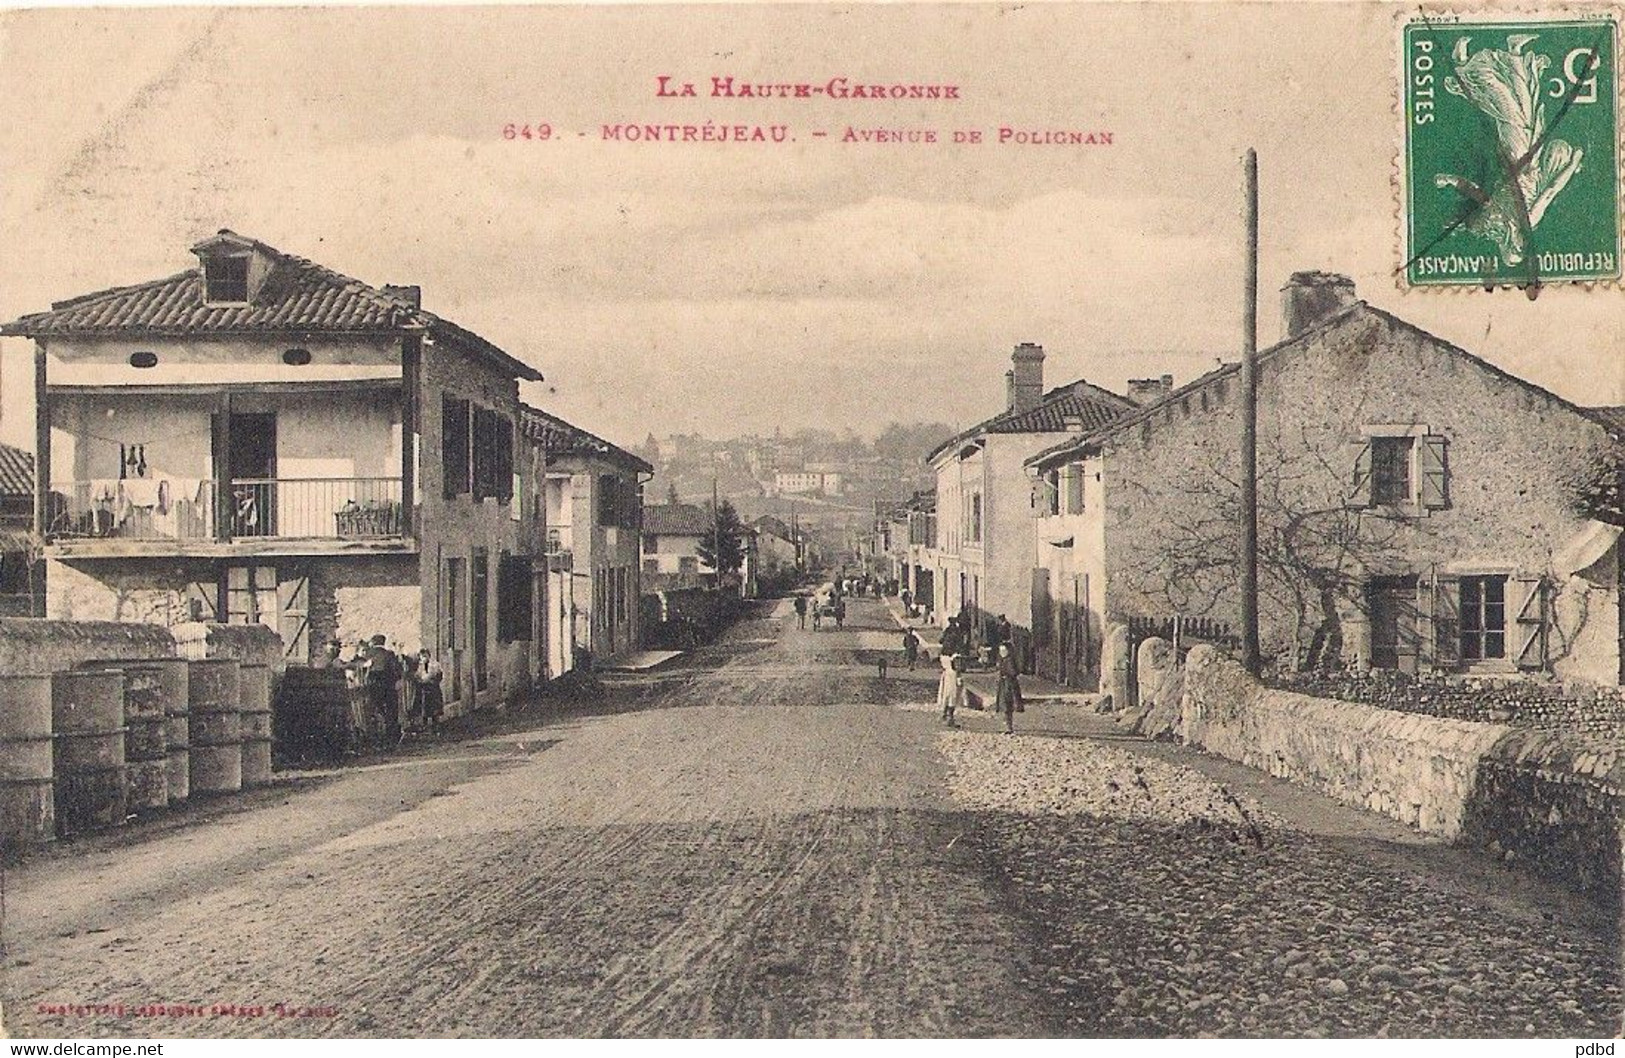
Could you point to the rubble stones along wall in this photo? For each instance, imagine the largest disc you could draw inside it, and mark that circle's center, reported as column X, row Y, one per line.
column 1169, row 489
column 1553, row 800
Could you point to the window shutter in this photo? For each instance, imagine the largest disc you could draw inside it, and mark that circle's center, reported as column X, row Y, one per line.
column 1447, row 622
column 1360, row 494
column 1529, row 632
column 1074, row 489
column 1426, row 634
column 1432, row 480
column 1041, row 606
column 454, row 449
column 293, row 606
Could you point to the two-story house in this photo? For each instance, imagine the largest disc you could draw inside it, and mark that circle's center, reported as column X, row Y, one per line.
column 982, row 561
column 671, row 545
column 259, row 438
column 1419, row 509
column 594, row 541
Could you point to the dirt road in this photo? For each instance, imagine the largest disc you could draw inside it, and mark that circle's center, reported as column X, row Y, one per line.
column 761, row 847
column 761, row 841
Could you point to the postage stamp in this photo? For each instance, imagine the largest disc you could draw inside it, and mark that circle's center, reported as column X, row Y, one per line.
column 1511, row 163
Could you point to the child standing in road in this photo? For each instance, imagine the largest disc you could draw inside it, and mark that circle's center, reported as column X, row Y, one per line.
column 951, row 691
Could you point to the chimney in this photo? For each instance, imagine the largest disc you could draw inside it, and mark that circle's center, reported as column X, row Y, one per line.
column 1026, row 376
column 1309, row 298
column 1009, row 389
column 412, row 295
column 1143, row 391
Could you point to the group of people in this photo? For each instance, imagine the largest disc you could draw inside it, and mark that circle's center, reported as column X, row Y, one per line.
column 380, row 679
column 951, row 687
column 835, row 608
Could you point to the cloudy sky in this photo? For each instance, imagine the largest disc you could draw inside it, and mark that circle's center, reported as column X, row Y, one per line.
column 733, row 287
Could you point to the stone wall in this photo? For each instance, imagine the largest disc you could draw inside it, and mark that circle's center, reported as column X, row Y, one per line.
column 32, row 647
column 1554, row 800
column 1512, row 700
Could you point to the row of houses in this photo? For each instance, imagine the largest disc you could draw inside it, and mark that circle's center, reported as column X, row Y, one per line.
column 1419, row 509
column 260, row 439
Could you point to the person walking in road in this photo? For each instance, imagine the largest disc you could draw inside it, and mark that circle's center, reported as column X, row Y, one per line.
column 801, row 611
column 840, row 612
column 911, row 647
column 818, row 614
column 1008, row 700
column 951, row 689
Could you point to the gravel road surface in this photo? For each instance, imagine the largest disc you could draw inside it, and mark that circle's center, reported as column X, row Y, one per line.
column 767, row 840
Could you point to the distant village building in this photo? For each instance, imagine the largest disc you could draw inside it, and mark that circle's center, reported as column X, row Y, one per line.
column 803, row 482
column 982, row 562
column 1418, row 510
column 671, row 545
column 22, row 572
column 594, row 541
column 260, row 439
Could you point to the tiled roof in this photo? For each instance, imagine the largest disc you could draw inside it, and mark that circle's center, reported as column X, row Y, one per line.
column 1609, row 418
column 16, row 471
column 1081, row 402
column 676, row 519
column 297, row 296
column 560, row 438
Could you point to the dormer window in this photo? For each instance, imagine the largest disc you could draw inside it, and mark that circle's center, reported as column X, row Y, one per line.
column 226, row 280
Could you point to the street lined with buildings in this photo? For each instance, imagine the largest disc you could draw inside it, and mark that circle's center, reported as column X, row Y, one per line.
column 551, row 761
column 769, row 840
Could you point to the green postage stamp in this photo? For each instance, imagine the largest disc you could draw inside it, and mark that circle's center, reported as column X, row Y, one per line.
column 1511, row 162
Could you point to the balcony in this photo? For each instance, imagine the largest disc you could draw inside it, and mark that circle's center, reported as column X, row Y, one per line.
column 557, row 550
column 149, row 516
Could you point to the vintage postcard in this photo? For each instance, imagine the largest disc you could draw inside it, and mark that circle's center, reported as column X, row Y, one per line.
column 794, row 520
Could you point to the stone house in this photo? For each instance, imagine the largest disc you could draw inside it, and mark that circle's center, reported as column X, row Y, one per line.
column 671, row 545
column 594, row 541
column 1418, row 509
column 260, row 439
column 981, row 562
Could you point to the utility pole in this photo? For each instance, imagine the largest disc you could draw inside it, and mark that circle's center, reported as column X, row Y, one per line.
column 716, row 533
column 1249, row 428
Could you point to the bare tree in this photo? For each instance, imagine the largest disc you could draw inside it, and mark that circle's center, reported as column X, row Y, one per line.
column 1316, row 549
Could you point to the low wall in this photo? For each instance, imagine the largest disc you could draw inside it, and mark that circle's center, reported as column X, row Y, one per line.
column 1554, row 800
column 37, row 647
column 252, row 643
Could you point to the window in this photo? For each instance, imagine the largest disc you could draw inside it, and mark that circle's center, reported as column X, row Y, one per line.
column 513, row 598
column 974, row 530
column 1390, row 470
column 651, row 566
column 1483, row 618
column 1401, row 466
column 454, row 445
column 1049, row 494
column 651, row 544
column 688, row 564
column 227, row 279
column 492, row 456
column 144, row 359
column 610, row 500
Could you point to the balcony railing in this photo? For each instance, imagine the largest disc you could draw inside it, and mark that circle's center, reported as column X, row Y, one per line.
column 252, row 508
